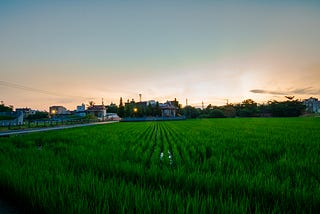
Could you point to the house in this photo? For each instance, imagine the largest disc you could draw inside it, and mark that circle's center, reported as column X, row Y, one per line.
column 58, row 110
column 168, row 109
column 99, row 111
column 81, row 110
column 26, row 111
column 312, row 105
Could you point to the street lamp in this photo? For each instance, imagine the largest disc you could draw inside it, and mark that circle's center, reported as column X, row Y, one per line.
column 135, row 110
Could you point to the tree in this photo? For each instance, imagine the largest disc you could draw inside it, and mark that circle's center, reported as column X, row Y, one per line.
column 4, row 108
column 121, row 108
column 216, row 113
column 91, row 103
column 212, row 112
column 128, row 110
column 287, row 108
column 157, row 110
column 248, row 108
column 191, row 112
column 112, row 108
column 149, row 110
column 90, row 117
column 229, row 111
column 38, row 116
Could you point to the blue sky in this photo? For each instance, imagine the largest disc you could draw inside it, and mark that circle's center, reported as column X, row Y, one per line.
column 201, row 50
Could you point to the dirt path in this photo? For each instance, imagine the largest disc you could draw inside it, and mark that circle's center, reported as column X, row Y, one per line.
column 16, row 132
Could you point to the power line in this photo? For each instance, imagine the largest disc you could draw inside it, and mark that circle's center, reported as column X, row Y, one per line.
column 27, row 88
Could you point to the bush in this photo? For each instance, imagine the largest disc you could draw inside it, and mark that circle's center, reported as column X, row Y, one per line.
column 216, row 113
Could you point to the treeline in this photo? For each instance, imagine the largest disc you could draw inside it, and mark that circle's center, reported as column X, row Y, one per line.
column 248, row 108
column 135, row 109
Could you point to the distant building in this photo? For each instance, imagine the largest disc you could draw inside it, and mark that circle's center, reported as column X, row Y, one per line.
column 58, row 110
column 99, row 111
column 151, row 102
column 81, row 110
column 113, row 116
column 26, row 111
column 168, row 109
column 312, row 105
column 142, row 104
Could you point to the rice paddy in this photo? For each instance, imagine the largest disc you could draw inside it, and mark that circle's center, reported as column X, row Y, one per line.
column 193, row 166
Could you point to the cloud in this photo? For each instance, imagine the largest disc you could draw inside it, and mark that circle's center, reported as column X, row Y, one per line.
column 298, row 91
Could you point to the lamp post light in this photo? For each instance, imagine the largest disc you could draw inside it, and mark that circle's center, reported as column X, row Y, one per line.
column 135, row 111
column 53, row 113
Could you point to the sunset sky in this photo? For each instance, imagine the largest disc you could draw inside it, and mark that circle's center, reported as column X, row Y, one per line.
column 70, row 52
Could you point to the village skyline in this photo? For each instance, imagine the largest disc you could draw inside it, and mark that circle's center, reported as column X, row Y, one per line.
column 137, row 98
column 180, row 104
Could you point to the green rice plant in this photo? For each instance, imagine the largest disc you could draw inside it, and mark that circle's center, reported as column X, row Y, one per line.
column 235, row 165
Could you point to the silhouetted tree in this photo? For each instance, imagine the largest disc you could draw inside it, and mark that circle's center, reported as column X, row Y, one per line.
column 112, row 108
column 191, row 112
column 121, row 108
column 229, row 111
column 248, row 108
column 91, row 104
column 157, row 110
column 128, row 110
column 38, row 115
column 149, row 110
column 287, row 108
column 4, row 108
column 216, row 113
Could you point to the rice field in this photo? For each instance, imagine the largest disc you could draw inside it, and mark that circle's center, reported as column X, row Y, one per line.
column 240, row 165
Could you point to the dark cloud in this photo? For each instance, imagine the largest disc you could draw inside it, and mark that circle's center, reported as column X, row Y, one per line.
column 261, row 91
column 300, row 91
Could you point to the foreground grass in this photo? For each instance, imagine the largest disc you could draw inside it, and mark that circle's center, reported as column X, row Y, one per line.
column 218, row 165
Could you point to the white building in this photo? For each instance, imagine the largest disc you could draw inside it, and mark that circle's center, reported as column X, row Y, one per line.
column 81, row 110
column 99, row 111
column 168, row 109
column 26, row 111
column 312, row 105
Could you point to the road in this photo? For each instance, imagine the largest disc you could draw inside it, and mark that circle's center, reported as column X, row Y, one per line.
column 17, row 132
